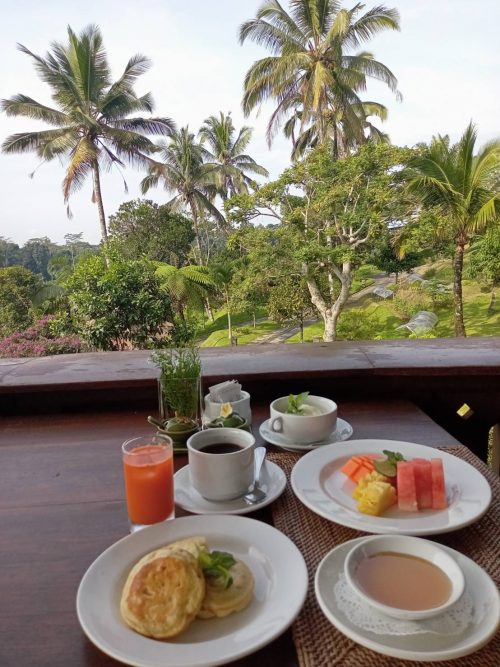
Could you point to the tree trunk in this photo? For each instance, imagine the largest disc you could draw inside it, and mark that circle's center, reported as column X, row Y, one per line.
column 458, row 265
column 98, row 201
column 229, row 325
column 199, row 259
column 330, row 313
column 208, row 309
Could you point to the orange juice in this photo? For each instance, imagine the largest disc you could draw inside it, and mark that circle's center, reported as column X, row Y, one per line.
column 149, row 486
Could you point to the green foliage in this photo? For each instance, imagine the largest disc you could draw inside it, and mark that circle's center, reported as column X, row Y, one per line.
column 120, row 306
column 408, row 300
column 17, row 288
column 484, row 258
column 289, row 299
column 357, row 325
column 462, row 188
column 388, row 260
column 143, row 228
column 180, row 371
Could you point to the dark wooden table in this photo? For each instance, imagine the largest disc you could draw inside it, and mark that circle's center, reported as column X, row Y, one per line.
column 62, row 503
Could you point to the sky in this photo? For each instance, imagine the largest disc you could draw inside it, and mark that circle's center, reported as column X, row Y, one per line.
column 446, row 59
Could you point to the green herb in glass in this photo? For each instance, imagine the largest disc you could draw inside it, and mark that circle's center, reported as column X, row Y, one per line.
column 180, row 372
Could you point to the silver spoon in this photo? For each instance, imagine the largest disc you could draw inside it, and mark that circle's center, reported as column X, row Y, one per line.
column 256, row 495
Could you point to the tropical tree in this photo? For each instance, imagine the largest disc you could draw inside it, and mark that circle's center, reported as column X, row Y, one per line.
column 464, row 188
column 331, row 212
column 142, row 227
column 193, row 182
column 227, row 150
column 92, row 127
column 312, row 73
column 17, row 288
column 117, row 304
column 186, row 286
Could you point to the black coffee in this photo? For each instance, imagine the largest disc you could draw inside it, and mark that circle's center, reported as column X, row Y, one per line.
column 220, row 448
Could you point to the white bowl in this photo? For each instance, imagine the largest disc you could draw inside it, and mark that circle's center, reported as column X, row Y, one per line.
column 410, row 546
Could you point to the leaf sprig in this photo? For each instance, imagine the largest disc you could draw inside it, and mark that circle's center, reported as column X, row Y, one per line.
column 217, row 564
column 295, row 403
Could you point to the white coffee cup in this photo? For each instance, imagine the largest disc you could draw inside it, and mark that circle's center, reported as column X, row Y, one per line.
column 221, row 476
column 241, row 406
column 304, row 428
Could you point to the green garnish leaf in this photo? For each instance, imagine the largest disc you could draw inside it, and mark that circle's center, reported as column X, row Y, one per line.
column 388, row 466
column 393, row 457
column 217, row 564
column 295, row 403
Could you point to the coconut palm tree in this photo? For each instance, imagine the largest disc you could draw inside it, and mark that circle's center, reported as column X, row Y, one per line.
column 464, row 188
column 311, row 69
column 343, row 135
column 226, row 150
column 92, row 126
column 184, row 172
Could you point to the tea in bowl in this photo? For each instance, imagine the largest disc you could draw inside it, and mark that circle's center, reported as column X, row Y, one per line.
column 404, row 577
column 221, row 462
column 312, row 420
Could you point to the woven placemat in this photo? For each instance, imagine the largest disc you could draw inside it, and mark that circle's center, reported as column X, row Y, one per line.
column 318, row 643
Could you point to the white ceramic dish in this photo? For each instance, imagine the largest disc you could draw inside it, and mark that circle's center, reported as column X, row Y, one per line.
column 274, row 560
column 319, row 484
column 272, row 482
column 342, row 432
column 421, row 647
column 409, row 546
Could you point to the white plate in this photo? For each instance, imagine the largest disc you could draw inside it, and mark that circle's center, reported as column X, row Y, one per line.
column 319, row 484
column 343, row 431
column 272, row 482
column 422, row 647
column 274, row 560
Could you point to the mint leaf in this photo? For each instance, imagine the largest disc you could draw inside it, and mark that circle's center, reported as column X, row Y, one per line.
column 217, row 564
column 393, row 457
column 295, row 403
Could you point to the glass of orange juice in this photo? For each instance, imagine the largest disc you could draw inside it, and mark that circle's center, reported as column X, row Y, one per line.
column 148, row 468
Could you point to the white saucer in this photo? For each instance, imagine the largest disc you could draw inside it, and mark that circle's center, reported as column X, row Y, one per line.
column 424, row 647
column 343, row 431
column 272, row 482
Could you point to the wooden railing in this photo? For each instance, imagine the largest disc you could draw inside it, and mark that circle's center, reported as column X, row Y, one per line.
column 439, row 375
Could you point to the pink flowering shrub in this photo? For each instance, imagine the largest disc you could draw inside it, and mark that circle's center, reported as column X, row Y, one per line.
column 38, row 341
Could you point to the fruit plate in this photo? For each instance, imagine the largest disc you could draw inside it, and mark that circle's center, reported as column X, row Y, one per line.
column 273, row 559
column 318, row 483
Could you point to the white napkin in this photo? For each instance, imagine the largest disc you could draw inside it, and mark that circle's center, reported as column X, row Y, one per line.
column 225, row 392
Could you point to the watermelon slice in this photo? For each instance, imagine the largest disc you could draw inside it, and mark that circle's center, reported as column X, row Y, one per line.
column 407, row 492
column 423, row 483
column 439, row 501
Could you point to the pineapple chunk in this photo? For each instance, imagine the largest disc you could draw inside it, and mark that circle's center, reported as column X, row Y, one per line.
column 374, row 494
column 373, row 476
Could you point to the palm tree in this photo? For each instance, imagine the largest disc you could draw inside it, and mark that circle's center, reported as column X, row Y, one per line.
column 343, row 136
column 227, row 151
column 464, row 188
column 91, row 124
column 188, row 286
column 184, row 173
column 311, row 71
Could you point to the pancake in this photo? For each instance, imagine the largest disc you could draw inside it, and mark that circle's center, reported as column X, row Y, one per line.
column 192, row 544
column 220, row 601
column 163, row 593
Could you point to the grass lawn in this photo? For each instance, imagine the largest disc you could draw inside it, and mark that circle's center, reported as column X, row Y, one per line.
column 380, row 317
column 248, row 335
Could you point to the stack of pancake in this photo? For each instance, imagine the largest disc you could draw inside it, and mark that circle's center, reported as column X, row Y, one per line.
column 166, row 590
